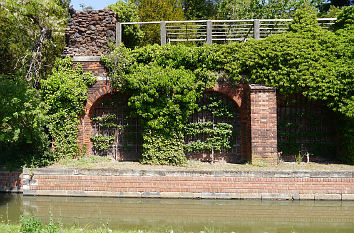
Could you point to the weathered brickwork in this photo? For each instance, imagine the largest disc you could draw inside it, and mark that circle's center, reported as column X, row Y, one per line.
column 91, row 64
column 263, row 124
column 192, row 184
column 87, row 35
column 96, row 92
column 89, row 32
column 10, row 181
column 257, row 106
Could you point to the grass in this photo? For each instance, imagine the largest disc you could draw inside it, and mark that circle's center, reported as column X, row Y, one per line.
column 97, row 162
column 9, row 228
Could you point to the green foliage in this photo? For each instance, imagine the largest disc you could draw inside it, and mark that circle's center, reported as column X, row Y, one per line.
column 299, row 157
column 157, row 10
column 218, row 136
column 260, row 9
column 309, row 60
column 102, row 143
column 163, row 99
column 217, row 107
column 199, row 9
column 105, row 121
column 164, row 148
column 23, row 140
column 304, row 20
column 31, row 36
column 32, row 225
column 64, row 93
column 345, row 19
column 128, row 12
column 118, row 62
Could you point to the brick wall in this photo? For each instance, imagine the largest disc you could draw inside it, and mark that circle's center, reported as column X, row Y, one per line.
column 97, row 91
column 263, row 124
column 257, row 106
column 258, row 116
column 192, row 184
column 10, row 181
column 92, row 64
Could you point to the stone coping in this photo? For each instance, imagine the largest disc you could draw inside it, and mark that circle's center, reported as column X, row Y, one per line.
column 189, row 195
column 86, row 58
column 189, row 173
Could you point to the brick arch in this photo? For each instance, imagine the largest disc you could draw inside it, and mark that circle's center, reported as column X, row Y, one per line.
column 234, row 93
column 257, row 106
column 95, row 93
column 102, row 88
column 240, row 95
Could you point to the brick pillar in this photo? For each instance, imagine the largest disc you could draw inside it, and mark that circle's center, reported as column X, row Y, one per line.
column 263, row 117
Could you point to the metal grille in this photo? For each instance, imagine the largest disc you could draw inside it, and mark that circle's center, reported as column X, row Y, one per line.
column 229, row 155
column 127, row 145
column 306, row 126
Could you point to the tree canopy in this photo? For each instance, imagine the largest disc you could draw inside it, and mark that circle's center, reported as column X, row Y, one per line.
column 31, row 36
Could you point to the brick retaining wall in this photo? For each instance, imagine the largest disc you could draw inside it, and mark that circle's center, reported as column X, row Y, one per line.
column 10, row 181
column 191, row 184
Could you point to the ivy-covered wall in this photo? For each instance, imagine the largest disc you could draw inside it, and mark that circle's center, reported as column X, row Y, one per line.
column 164, row 83
column 213, row 130
column 115, row 134
column 219, row 129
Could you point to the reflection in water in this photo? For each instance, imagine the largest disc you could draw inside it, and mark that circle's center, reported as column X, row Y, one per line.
column 185, row 215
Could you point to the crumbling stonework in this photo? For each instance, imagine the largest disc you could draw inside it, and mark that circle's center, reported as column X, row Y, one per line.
column 88, row 32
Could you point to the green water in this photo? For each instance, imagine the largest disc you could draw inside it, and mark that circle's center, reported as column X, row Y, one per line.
column 183, row 215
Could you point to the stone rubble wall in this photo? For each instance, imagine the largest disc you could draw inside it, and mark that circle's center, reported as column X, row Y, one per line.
column 88, row 32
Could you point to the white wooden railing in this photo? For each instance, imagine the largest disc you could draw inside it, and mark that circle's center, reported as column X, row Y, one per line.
column 210, row 31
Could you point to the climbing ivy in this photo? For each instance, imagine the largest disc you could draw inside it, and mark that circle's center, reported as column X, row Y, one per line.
column 64, row 93
column 163, row 98
column 102, row 143
column 308, row 60
column 217, row 134
column 105, row 121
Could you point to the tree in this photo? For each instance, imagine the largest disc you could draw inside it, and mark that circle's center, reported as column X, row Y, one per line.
column 158, row 10
column 23, row 140
column 85, row 8
column 258, row 9
column 32, row 36
column 128, row 12
column 326, row 6
column 237, row 9
column 199, row 9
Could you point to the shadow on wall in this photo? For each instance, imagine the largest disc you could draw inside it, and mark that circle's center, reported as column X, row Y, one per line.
column 10, row 181
column 305, row 127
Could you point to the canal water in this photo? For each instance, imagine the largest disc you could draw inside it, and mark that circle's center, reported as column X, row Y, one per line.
column 184, row 215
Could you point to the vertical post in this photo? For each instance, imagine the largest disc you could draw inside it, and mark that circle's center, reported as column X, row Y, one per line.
column 256, row 31
column 163, row 32
column 118, row 33
column 209, row 39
